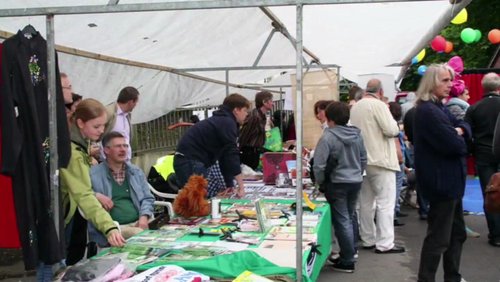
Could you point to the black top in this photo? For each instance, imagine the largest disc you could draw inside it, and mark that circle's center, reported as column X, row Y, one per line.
column 212, row 139
column 482, row 117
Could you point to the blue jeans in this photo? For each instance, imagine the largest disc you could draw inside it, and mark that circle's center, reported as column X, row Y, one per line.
column 485, row 170
column 399, row 185
column 185, row 167
column 342, row 198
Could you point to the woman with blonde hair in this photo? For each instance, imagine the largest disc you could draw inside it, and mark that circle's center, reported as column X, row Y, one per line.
column 79, row 202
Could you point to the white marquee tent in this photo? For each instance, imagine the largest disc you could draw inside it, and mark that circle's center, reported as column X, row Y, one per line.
column 103, row 52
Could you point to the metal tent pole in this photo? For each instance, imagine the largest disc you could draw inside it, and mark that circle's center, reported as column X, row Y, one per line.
column 54, row 157
column 298, row 128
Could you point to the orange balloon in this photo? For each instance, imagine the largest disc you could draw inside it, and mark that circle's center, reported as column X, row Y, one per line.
column 449, row 47
column 494, row 36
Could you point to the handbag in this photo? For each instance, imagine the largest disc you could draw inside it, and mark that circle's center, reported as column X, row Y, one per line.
column 492, row 194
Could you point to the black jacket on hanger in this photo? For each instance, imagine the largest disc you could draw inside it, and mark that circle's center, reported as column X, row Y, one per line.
column 25, row 149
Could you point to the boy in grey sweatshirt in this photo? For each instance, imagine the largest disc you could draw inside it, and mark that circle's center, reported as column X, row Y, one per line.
column 339, row 161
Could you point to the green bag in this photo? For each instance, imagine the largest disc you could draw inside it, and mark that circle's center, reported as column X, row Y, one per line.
column 273, row 140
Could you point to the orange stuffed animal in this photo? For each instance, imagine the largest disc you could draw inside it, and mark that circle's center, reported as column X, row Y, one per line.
column 191, row 200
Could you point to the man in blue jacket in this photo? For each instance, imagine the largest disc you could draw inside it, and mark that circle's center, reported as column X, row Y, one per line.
column 212, row 139
column 440, row 150
column 121, row 188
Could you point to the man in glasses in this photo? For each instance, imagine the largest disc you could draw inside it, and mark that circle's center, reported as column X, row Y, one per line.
column 121, row 188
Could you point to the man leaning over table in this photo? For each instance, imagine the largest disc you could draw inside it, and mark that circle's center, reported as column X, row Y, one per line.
column 122, row 189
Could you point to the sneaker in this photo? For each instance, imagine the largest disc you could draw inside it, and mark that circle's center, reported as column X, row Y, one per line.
column 395, row 250
column 356, row 255
column 342, row 267
column 334, row 258
column 471, row 233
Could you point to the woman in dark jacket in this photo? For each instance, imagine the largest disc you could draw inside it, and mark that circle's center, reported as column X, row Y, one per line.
column 440, row 151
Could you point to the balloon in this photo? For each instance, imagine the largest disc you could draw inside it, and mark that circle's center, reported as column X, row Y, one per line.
column 457, row 64
column 460, row 18
column 420, row 56
column 449, row 47
column 494, row 36
column 478, row 35
column 468, row 35
column 414, row 60
column 438, row 44
column 421, row 70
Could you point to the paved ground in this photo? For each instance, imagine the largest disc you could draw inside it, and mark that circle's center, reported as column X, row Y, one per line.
column 480, row 261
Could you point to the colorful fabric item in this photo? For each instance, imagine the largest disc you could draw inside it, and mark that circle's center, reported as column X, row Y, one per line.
column 273, row 140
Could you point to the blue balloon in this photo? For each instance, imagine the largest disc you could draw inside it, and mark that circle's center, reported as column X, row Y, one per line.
column 421, row 70
column 414, row 60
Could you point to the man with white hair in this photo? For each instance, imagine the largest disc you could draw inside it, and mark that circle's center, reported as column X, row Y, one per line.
column 378, row 192
column 482, row 118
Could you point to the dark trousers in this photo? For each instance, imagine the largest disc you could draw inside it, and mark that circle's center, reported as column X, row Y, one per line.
column 76, row 232
column 185, row 167
column 445, row 237
column 485, row 170
column 250, row 156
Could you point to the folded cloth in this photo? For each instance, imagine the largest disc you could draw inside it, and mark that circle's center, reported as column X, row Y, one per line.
column 90, row 269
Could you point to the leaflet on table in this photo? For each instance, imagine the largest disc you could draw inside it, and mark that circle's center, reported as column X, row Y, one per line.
column 159, row 237
column 292, row 229
column 290, row 237
column 247, row 276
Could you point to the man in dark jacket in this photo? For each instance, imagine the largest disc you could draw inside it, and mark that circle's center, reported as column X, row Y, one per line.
column 440, row 151
column 212, row 139
column 482, row 118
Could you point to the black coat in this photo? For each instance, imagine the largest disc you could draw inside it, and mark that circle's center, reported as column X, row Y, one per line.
column 25, row 127
column 482, row 117
column 439, row 152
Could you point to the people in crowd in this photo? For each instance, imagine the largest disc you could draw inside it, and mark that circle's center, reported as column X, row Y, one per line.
column 378, row 193
column 122, row 190
column 395, row 110
column 355, row 94
column 457, row 105
column 120, row 115
column 253, row 131
column 214, row 139
column 482, row 118
column 339, row 163
column 76, row 100
column 408, row 121
column 408, row 104
column 67, row 88
column 79, row 202
column 319, row 112
column 440, row 150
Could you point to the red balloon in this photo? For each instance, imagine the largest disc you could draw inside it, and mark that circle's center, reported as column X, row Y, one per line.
column 494, row 36
column 438, row 44
column 449, row 47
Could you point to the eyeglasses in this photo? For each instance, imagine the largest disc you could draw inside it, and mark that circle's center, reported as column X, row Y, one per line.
column 119, row 146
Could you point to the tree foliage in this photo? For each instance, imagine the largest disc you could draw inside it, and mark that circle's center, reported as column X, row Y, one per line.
column 482, row 15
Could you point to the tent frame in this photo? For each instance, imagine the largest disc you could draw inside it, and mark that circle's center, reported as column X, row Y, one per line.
column 112, row 7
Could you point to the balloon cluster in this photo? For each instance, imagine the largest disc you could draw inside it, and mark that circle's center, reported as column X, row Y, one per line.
column 469, row 35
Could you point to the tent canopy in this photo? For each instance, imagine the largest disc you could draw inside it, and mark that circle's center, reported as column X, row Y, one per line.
column 105, row 52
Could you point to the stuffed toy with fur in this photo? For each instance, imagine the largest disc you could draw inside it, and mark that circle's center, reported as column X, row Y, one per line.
column 191, row 200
